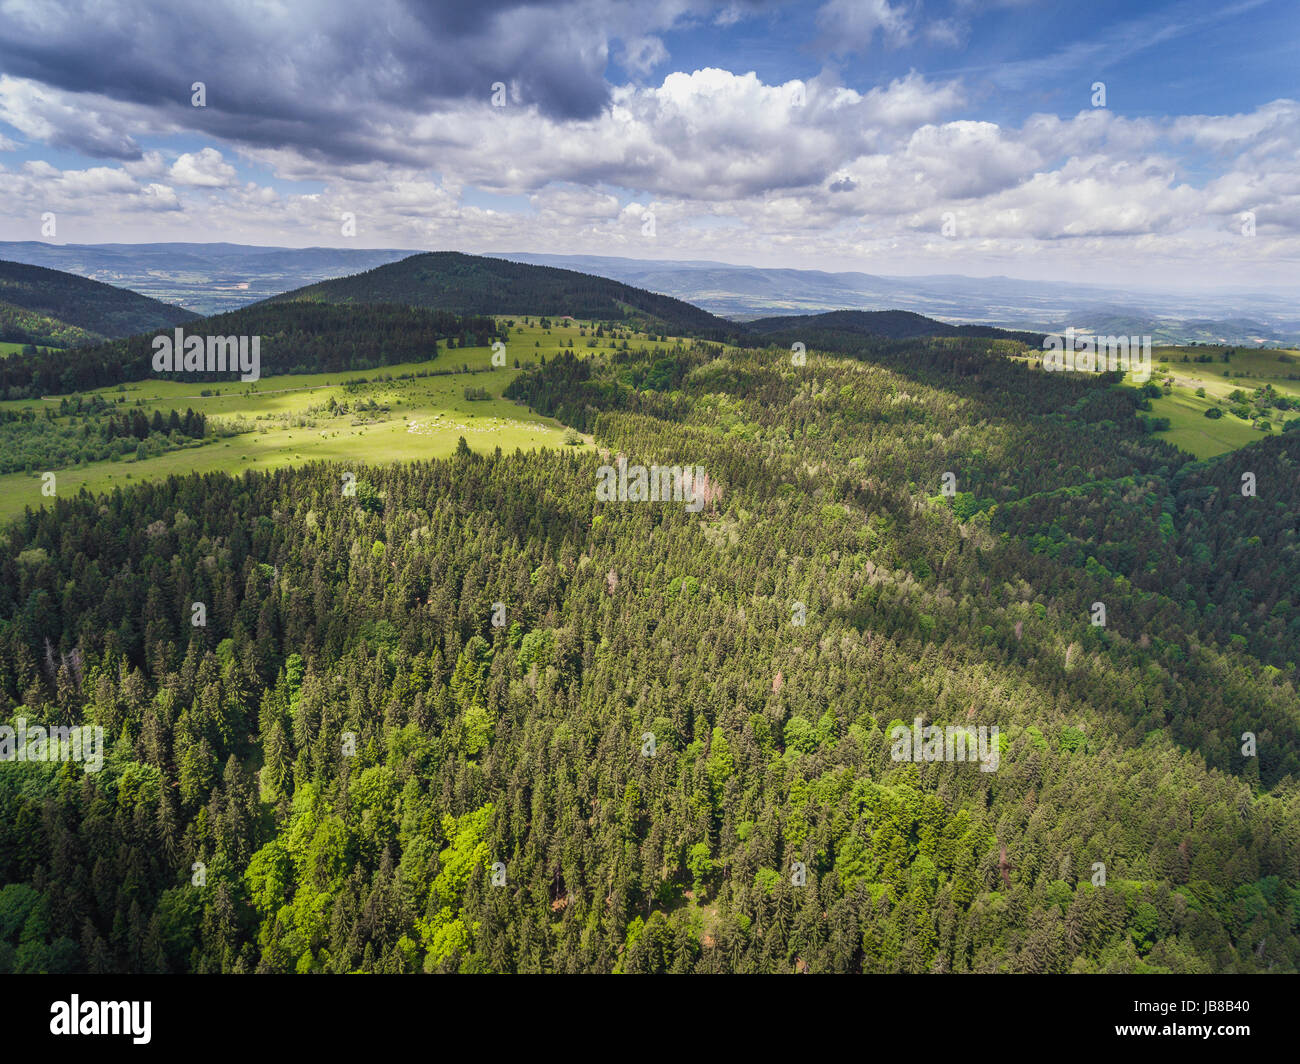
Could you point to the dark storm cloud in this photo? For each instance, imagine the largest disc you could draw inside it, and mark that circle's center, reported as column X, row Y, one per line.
column 333, row 79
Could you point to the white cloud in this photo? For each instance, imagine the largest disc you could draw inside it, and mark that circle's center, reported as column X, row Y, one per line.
column 160, row 198
column 49, row 116
column 809, row 173
column 204, row 169
column 643, row 54
column 150, row 164
column 576, row 203
column 947, row 32
column 851, row 25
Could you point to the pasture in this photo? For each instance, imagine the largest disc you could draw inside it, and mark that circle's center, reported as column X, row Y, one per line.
column 380, row 415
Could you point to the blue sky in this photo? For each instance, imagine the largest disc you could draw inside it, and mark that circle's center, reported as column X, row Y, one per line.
column 1157, row 58
column 943, row 136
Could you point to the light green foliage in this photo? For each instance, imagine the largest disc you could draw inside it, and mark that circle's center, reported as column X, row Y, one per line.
column 536, row 649
column 445, row 933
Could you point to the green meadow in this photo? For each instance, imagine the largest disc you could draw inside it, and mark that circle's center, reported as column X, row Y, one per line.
column 1247, row 370
column 8, row 347
column 363, row 416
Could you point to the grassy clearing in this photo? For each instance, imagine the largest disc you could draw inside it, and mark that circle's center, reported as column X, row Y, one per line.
column 1248, row 369
column 375, row 418
column 8, row 347
column 1190, row 430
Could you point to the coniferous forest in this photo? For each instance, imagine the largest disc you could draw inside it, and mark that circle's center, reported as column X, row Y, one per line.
column 467, row 717
column 609, row 488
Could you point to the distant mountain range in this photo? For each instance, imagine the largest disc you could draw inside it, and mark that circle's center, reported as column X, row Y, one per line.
column 53, row 308
column 211, row 278
column 1227, row 315
column 60, row 309
column 887, row 324
column 206, row 278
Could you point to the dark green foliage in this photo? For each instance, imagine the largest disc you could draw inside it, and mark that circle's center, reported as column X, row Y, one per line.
column 365, row 622
column 295, row 338
column 60, row 309
column 886, row 324
column 89, row 431
column 471, row 284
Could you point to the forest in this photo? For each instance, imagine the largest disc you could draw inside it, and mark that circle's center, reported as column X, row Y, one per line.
column 41, row 306
column 474, row 284
column 465, row 717
column 93, row 432
column 296, row 338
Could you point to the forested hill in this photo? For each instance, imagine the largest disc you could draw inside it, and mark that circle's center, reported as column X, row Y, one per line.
column 295, row 338
column 885, row 324
column 371, row 775
column 50, row 307
column 471, row 284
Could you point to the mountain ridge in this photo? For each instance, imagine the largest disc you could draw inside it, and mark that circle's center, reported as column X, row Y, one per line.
column 61, row 309
column 888, row 324
column 474, row 284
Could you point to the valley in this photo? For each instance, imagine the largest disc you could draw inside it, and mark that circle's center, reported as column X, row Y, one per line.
column 694, row 488
column 649, row 706
column 399, row 412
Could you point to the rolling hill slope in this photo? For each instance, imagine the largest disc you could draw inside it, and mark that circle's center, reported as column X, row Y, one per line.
column 293, row 338
column 471, row 284
column 57, row 309
column 887, row 324
column 207, row 278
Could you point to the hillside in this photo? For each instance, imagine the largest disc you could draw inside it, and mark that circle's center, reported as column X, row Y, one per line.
column 471, row 284
column 886, row 324
column 205, row 278
column 295, row 338
column 1237, row 314
column 680, row 751
column 49, row 307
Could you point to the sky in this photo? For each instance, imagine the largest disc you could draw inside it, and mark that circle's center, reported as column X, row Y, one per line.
column 1107, row 142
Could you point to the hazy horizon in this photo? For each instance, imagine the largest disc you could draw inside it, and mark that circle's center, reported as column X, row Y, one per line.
column 675, row 260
